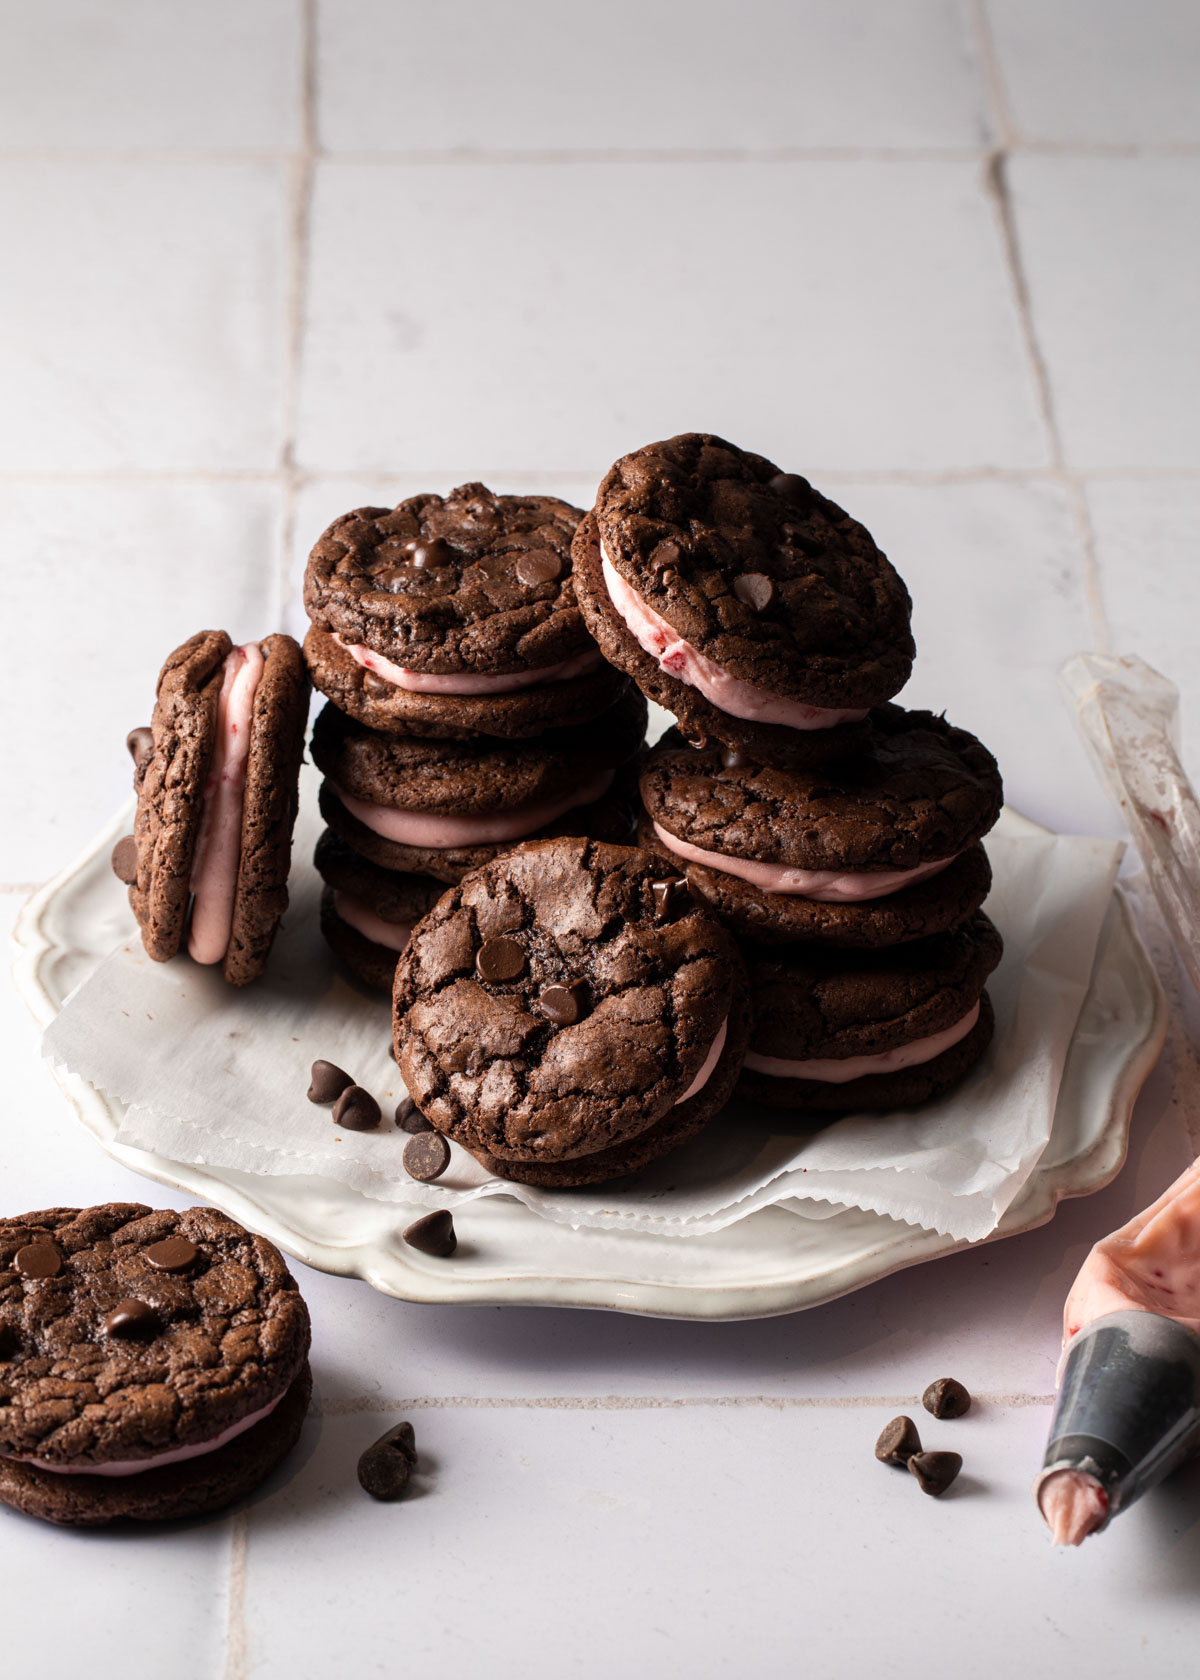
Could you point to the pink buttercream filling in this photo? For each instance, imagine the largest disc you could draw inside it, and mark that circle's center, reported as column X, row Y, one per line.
column 688, row 665
column 707, row 1065
column 424, row 828
column 824, row 886
column 219, row 843
column 364, row 920
column 1152, row 1264
column 834, row 1070
column 466, row 682
column 1074, row 1505
column 135, row 1466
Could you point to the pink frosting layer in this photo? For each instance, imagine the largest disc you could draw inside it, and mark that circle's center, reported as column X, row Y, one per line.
column 135, row 1466
column 824, row 886
column 688, row 665
column 466, row 682
column 1150, row 1265
column 707, row 1065
column 834, row 1070
column 219, row 843
column 1074, row 1505
column 423, row 828
column 364, row 920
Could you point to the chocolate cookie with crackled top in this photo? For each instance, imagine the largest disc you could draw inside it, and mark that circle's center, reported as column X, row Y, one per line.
column 216, row 775
column 881, row 849
column 452, row 616
column 742, row 600
column 569, row 1012
column 368, row 913
column 838, row 1030
column 441, row 808
column 153, row 1365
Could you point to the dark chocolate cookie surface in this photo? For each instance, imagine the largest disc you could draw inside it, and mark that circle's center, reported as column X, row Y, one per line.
column 758, row 571
column 560, row 1000
column 470, row 582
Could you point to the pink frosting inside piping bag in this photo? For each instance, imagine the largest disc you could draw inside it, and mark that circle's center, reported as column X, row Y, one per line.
column 823, row 886
column 364, row 920
column 1150, row 1265
column 219, row 844
column 688, row 665
column 839, row 1071
column 423, row 828
column 135, row 1466
column 1074, row 1505
column 466, row 682
column 707, row 1065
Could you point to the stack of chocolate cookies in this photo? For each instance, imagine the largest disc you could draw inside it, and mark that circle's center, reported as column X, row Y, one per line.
column 469, row 709
column 836, row 834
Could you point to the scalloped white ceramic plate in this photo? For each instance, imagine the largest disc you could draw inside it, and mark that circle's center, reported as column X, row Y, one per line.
column 770, row 1262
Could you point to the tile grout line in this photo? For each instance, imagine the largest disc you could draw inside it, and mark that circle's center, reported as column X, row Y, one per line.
column 372, row 1403
column 235, row 1629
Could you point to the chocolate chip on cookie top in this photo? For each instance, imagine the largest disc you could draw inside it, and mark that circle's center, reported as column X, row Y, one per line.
column 550, row 1006
column 134, row 1332
column 469, row 583
column 753, row 571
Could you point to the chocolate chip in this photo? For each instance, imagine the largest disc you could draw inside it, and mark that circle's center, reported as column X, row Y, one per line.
column 385, row 1467
column 666, row 554
column 935, row 1470
column 432, row 1234
column 327, row 1082
column 172, row 1254
column 897, row 1442
column 564, row 1005
column 356, row 1110
column 426, row 555
column 499, row 959
column 139, row 742
column 667, row 896
column 733, row 758
column 38, row 1259
column 426, row 1156
column 409, row 1117
column 124, row 859
column 946, row 1398
column 538, row 565
column 793, row 488
column 131, row 1319
column 755, row 589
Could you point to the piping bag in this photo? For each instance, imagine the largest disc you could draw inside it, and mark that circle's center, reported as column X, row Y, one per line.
column 1128, row 1404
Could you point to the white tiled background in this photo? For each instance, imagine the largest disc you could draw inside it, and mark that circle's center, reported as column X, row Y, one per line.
column 265, row 259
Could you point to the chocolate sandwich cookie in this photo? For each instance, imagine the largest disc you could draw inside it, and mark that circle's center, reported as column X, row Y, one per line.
column 454, row 615
column 742, row 600
column 568, row 1012
column 838, row 1030
column 153, row 1365
column 367, row 913
column 879, row 849
column 442, row 808
column 216, row 777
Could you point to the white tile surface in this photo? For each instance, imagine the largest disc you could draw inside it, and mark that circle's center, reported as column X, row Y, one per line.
column 1112, row 252
column 138, row 73
column 131, row 570
column 142, row 315
column 834, row 315
column 1106, row 72
column 648, row 74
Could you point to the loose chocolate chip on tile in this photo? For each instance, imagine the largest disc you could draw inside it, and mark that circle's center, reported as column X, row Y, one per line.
column 328, row 1081
column 356, row 1110
column 499, row 959
column 755, row 589
column 793, row 488
column 39, row 1259
column 946, row 1398
column 538, row 565
column 426, row 1156
column 139, row 742
column 935, row 1470
column 897, row 1442
column 172, row 1254
column 432, row 1234
column 667, row 896
column 384, row 1469
column 124, row 859
column 130, row 1320
column 409, row 1117
column 564, row 1005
